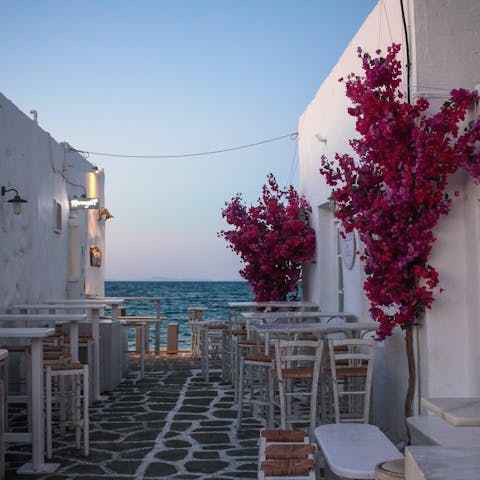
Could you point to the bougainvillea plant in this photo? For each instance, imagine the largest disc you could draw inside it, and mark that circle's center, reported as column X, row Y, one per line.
column 273, row 239
column 394, row 191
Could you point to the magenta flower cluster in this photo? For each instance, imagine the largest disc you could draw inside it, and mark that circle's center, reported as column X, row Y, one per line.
column 273, row 239
column 394, row 191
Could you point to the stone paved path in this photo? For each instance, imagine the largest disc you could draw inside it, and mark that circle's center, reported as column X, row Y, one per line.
column 169, row 425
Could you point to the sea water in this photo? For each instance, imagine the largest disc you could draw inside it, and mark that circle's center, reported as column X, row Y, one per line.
column 176, row 297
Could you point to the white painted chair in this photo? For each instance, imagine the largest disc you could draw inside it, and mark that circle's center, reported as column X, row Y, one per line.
column 298, row 365
column 211, row 340
column 350, row 373
column 195, row 315
column 67, row 386
column 255, row 386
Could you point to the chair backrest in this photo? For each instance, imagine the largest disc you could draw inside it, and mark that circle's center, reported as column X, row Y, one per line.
column 351, row 365
column 298, row 354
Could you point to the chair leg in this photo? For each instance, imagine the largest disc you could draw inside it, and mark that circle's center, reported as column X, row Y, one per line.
column 283, row 406
column 240, row 394
column 48, row 381
column 86, row 419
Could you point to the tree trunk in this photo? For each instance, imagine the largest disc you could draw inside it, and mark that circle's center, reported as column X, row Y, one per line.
column 411, row 377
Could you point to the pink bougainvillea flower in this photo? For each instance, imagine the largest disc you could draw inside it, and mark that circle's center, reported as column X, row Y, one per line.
column 393, row 192
column 273, row 239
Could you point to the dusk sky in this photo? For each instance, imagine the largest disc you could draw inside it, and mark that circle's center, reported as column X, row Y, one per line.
column 170, row 78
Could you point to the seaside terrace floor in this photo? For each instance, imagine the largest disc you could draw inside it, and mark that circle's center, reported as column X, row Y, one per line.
column 169, row 425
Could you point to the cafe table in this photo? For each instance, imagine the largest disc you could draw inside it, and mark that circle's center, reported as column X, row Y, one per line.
column 37, row 436
column 73, row 320
column 293, row 317
column 355, row 329
column 293, row 305
column 93, row 307
column 113, row 302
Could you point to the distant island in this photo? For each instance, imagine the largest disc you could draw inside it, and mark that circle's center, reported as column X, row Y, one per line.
column 169, row 279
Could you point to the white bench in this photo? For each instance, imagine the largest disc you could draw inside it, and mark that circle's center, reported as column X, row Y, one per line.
column 433, row 430
column 352, row 450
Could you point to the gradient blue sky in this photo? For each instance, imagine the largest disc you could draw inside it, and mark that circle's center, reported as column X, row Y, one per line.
column 171, row 77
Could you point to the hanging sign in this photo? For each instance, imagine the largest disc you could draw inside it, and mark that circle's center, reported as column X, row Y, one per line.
column 84, row 203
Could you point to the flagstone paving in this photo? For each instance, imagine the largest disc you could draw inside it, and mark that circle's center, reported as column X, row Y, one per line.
column 169, row 425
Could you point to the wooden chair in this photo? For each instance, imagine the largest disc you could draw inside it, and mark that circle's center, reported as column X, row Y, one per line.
column 298, row 365
column 350, row 373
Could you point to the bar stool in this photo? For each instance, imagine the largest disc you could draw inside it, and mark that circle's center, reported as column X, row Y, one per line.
column 67, row 385
column 211, row 338
column 229, row 361
column 195, row 315
column 286, row 454
column 255, row 385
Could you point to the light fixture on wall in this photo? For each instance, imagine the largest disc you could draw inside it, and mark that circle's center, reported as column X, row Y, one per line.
column 16, row 201
column 103, row 212
column 95, row 170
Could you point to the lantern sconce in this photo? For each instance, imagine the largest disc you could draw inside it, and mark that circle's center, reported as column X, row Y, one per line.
column 103, row 212
column 16, row 201
column 95, row 170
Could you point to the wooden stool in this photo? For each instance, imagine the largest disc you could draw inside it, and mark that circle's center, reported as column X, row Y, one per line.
column 76, row 398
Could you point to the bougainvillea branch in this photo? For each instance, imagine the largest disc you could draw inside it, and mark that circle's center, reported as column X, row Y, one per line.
column 394, row 191
column 273, row 239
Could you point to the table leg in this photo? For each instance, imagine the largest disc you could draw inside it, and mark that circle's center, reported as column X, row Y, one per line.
column 38, row 421
column 74, row 341
column 96, row 355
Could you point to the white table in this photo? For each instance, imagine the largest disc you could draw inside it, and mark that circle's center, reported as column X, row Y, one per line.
column 456, row 411
column 352, row 450
column 114, row 302
column 93, row 308
column 73, row 320
column 37, row 436
column 157, row 320
column 274, row 304
column 273, row 329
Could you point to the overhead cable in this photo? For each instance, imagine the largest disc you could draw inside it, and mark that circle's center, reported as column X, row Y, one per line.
column 292, row 136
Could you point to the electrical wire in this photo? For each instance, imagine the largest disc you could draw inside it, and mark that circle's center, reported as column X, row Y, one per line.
column 407, row 47
column 292, row 136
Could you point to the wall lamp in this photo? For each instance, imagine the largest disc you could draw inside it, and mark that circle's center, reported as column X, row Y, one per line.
column 16, row 201
column 104, row 212
column 95, row 170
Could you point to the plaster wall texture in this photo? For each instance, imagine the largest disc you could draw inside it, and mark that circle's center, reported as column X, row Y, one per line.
column 444, row 50
column 447, row 55
column 33, row 252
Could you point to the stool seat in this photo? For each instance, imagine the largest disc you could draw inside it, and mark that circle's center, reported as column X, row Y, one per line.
column 258, row 358
column 287, row 467
column 67, row 366
column 279, row 435
column 297, row 372
column 289, row 450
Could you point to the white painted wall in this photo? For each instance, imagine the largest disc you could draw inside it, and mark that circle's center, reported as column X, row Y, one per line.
column 444, row 40
column 33, row 256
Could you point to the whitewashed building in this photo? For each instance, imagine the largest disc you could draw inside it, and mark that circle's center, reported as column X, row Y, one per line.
column 50, row 249
column 444, row 41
